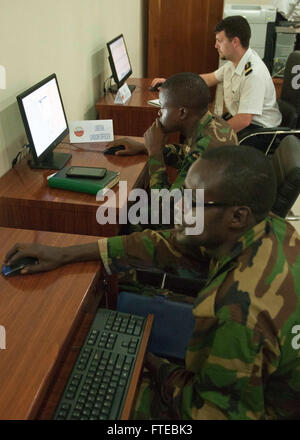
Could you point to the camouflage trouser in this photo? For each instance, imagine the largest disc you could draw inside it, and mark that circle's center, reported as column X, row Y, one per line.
column 149, row 405
column 142, row 410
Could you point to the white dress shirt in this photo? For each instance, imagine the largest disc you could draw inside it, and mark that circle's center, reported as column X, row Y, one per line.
column 248, row 88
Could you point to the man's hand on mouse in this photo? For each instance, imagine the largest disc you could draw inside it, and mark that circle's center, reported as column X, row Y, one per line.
column 48, row 257
column 132, row 147
column 157, row 81
column 51, row 257
column 155, row 138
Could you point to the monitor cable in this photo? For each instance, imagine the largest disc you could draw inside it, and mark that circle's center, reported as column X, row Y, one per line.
column 278, row 71
column 21, row 154
column 104, row 86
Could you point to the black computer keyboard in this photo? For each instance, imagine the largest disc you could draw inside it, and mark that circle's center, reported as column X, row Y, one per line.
column 98, row 384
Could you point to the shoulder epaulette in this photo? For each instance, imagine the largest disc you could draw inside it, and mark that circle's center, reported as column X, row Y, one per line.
column 248, row 68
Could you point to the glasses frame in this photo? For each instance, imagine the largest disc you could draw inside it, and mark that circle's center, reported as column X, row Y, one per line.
column 210, row 203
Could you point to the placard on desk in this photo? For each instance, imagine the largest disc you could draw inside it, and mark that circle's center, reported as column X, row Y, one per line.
column 91, row 131
column 123, row 94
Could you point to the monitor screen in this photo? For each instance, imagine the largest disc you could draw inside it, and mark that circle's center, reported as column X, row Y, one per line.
column 44, row 120
column 119, row 60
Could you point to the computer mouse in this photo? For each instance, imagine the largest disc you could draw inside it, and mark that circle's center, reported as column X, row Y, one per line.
column 156, row 87
column 114, row 149
column 15, row 269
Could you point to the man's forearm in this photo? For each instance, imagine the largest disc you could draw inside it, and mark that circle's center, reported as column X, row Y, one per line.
column 240, row 121
column 83, row 252
column 209, row 78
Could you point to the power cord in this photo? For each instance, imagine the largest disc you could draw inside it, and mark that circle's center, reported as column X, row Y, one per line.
column 278, row 71
column 22, row 153
column 104, row 86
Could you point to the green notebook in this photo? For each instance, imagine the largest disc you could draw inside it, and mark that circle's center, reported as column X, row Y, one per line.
column 91, row 186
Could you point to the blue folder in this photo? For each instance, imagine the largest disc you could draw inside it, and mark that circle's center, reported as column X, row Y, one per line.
column 173, row 321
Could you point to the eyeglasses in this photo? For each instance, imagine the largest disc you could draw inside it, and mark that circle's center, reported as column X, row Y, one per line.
column 212, row 204
column 209, row 204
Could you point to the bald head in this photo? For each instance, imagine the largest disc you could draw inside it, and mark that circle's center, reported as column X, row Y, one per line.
column 187, row 90
column 202, row 176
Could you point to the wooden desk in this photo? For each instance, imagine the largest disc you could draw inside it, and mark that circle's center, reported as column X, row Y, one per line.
column 136, row 115
column 46, row 318
column 27, row 202
column 40, row 313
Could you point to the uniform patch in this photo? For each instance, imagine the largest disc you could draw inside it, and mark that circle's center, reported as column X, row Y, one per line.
column 248, row 68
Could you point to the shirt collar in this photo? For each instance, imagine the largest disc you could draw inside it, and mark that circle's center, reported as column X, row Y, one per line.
column 205, row 119
column 245, row 58
column 199, row 132
column 252, row 235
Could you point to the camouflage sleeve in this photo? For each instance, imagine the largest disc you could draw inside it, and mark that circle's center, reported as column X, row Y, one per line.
column 145, row 250
column 157, row 173
column 172, row 155
column 227, row 383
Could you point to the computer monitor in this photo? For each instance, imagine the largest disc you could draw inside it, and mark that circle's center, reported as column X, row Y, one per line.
column 45, row 123
column 119, row 62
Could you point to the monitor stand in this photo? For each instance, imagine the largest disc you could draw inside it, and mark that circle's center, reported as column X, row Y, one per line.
column 53, row 161
column 114, row 89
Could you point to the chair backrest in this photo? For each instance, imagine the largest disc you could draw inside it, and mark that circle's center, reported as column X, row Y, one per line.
column 289, row 114
column 286, row 162
column 173, row 321
column 289, row 92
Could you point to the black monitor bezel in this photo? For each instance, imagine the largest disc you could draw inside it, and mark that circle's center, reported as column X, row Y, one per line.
column 112, row 64
column 39, row 159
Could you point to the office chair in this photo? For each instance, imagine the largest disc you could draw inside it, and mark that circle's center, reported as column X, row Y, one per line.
column 286, row 162
column 289, row 106
column 172, row 326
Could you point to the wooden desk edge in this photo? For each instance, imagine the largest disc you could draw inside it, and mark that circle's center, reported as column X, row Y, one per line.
column 45, row 390
column 130, row 398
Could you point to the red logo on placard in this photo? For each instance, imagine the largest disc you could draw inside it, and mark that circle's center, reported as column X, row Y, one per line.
column 79, row 131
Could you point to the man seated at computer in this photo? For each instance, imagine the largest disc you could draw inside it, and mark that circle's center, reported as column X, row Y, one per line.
column 184, row 99
column 249, row 92
column 243, row 359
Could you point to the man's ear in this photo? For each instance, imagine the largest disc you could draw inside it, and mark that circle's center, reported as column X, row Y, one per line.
column 236, row 42
column 240, row 217
column 183, row 112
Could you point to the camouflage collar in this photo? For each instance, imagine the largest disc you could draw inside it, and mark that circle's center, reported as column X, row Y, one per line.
column 254, row 234
column 201, row 125
column 205, row 120
column 228, row 262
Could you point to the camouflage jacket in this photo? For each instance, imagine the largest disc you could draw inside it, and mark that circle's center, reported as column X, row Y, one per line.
column 243, row 360
column 211, row 131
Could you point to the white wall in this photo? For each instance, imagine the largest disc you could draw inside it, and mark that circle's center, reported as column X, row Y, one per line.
column 68, row 37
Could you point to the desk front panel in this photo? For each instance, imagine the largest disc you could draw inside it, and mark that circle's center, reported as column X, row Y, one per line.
column 39, row 313
column 26, row 201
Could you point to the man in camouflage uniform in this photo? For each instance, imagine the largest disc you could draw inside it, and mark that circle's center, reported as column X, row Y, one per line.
column 184, row 99
column 243, row 359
